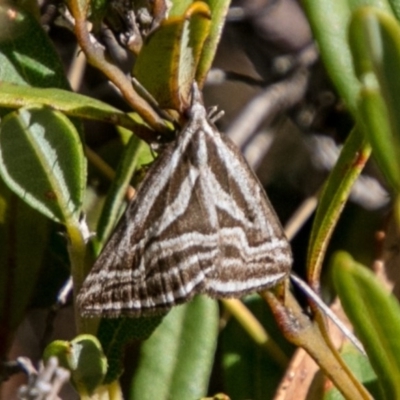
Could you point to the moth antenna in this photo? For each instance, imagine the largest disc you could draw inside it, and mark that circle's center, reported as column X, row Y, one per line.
column 327, row 311
column 213, row 114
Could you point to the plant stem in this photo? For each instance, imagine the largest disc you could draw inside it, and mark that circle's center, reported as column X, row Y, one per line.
column 78, row 235
column 303, row 332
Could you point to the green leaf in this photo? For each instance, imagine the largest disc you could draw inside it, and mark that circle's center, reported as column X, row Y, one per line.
column 395, row 7
column 374, row 115
column 112, row 206
column 59, row 349
column 250, row 372
column 167, row 63
column 362, row 369
column 375, row 315
column 186, row 342
column 23, row 239
column 382, row 4
column 42, row 161
column 70, row 103
column 330, row 21
column 27, row 56
column 377, row 128
column 374, row 36
column 336, row 191
column 178, row 8
column 84, row 357
column 115, row 334
column 218, row 8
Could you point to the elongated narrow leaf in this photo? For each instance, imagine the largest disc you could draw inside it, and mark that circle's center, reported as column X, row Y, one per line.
column 351, row 161
column 218, row 9
column 375, row 315
column 374, row 113
column 176, row 361
column 377, row 128
column 70, row 103
column 168, row 61
column 112, row 207
column 362, row 369
column 42, row 161
column 23, row 239
column 374, row 36
column 250, row 372
column 330, row 21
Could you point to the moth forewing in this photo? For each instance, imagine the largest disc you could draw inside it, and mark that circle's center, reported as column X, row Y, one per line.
column 200, row 223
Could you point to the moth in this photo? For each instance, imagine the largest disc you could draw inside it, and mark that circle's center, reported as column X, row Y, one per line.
column 200, row 224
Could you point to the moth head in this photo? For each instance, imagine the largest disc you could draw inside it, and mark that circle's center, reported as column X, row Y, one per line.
column 196, row 110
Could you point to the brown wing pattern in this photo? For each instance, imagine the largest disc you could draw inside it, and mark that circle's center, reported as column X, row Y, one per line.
column 200, row 223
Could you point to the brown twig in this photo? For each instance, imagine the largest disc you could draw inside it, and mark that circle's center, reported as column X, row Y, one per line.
column 97, row 58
